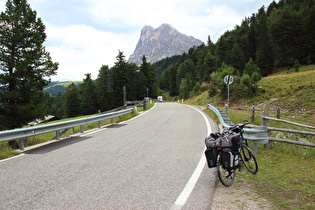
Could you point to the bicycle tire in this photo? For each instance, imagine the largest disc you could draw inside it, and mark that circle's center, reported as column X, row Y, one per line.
column 226, row 176
column 249, row 159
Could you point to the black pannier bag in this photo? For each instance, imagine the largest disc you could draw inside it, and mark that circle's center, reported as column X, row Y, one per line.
column 229, row 159
column 236, row 141
column 229, row 144
column 211, row 155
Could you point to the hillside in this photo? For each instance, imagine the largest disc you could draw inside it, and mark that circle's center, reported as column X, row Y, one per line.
column 293, row 92
column 55, row 87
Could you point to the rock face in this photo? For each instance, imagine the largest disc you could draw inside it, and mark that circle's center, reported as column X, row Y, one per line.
column 165, row 41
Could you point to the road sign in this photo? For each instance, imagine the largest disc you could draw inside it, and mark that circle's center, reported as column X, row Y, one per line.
column 228, row 79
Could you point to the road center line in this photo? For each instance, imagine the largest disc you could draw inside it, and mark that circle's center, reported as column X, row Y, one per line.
column 182, row 198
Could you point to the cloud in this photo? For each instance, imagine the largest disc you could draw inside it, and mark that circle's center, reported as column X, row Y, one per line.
column 82, row 49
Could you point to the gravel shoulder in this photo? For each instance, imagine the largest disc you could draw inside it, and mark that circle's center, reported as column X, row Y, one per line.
column 238, row 196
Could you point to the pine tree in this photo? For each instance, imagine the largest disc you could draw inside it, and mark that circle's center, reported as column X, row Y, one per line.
column 25, row 65
column 120, row 79
column 71, row 101
column 151, row 82
column 104, row 88
column 264, row 53
column 88, row 97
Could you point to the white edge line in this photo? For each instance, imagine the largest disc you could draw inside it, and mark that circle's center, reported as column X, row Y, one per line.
column 11, row 158
column 182, row 198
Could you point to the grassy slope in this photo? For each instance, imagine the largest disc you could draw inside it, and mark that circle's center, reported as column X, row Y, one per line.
column 286, row 173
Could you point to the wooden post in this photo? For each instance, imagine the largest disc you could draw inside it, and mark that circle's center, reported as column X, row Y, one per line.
column 266, row 123
column 278, row 113
column 253, row 114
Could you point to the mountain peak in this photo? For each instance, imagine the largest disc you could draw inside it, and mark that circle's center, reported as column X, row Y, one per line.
column 162, row 42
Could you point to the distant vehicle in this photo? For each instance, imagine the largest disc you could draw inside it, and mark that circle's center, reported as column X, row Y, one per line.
column 160, row 98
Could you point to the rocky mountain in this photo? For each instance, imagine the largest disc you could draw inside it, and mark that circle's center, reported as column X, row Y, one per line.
column 165, row 41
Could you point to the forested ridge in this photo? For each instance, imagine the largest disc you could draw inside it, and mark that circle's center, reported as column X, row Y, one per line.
column 280, row 35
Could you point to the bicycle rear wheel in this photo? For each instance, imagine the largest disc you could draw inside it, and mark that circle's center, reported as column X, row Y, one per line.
column 226, row 176
column 249, row 159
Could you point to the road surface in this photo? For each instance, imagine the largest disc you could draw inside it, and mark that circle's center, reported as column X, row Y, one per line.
column 143, row 163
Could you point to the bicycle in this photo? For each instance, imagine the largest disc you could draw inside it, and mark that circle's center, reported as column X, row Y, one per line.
column 229, row 152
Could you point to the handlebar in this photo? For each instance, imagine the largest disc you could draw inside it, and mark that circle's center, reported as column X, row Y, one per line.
column 239, row 127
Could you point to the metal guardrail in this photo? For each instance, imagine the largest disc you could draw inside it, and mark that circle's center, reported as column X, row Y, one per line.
column 221, row 118
column 22, row 133
column 257, row 134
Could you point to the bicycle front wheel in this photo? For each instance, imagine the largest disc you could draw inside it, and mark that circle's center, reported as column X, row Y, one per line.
column 249, row 159
column 226, row 176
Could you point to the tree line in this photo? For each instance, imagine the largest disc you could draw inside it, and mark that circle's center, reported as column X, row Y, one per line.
column 106, row 92
column 280, row 36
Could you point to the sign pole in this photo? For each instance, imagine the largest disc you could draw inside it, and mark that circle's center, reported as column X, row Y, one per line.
column 228, row 79
column 228, row 94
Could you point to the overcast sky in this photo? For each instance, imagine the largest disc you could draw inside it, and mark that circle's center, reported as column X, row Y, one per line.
column 83, row 35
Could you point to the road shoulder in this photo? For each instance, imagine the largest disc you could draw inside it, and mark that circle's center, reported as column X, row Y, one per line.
column 238, row 196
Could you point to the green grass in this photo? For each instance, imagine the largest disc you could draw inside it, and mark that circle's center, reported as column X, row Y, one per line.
column 6, row 151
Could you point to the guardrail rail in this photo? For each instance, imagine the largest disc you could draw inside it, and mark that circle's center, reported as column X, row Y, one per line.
column 257, row 134
column 22, row 133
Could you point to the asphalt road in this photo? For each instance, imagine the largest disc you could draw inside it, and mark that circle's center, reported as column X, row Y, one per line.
column 144, row 163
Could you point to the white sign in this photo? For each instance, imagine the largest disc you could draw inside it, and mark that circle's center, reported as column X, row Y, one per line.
column 228, row 79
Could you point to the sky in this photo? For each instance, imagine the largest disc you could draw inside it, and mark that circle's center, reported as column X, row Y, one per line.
column 83, row 35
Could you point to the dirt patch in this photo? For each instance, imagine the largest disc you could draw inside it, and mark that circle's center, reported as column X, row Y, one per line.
column 238, row 196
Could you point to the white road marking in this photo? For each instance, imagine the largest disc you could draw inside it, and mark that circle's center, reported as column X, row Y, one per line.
column 182, row 198
column 12, row 157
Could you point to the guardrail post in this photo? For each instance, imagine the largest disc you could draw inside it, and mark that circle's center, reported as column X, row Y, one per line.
column 112, row 120
column 82, row 128
column 253, row 114
column 226, row 108
column 255, row 147
column 99, row 124
column 266, row 123
column 21, row 144
column 144, row 104
column 58, row 134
